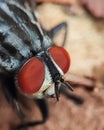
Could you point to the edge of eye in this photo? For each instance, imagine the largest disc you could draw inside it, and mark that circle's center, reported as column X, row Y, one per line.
column 55, row 50
column 35, row 94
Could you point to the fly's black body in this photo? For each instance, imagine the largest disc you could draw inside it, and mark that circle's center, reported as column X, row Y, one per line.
column 21, row 39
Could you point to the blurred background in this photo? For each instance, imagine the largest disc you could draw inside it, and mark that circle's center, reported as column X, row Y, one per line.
column 85, row 44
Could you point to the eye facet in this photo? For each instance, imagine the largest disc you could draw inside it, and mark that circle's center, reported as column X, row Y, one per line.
column 61, row 57
column 31, row 76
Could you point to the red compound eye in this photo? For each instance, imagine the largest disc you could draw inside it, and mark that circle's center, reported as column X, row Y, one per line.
column 31, row 76
column 61, row 57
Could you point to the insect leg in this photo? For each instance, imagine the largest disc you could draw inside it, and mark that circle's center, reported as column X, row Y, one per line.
column 10, row 93
column 76, row 99
column 42, row 104
column 9, row 88
column 58, row 28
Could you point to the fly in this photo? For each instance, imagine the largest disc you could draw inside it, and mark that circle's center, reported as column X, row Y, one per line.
column 29, row 61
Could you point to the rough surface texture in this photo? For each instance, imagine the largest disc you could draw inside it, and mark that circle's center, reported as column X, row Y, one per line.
column 85, row 43
column 96, row 7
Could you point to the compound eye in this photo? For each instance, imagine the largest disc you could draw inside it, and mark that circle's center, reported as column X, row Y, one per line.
column 61, row 57
column 31, row 76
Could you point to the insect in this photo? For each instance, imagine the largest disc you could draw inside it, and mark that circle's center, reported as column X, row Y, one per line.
column 30, row 63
